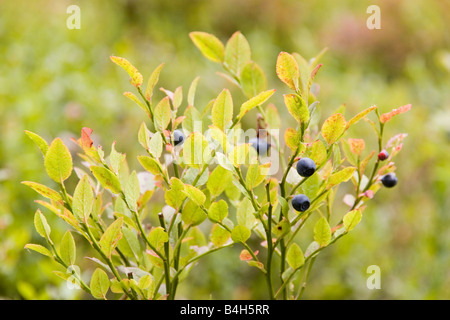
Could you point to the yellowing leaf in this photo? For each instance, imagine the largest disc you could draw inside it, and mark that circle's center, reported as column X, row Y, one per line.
column 287, row 70
column 297, row 108
column 136, row 77
column 333, row 128
column 211, row 47
column 237, row 53
column 41, row 225
column 219, row 235
column 292, row 138
column 43, row 190
column 195, row 194
column 238, row 155
column 106, row 178
column 255, row 101
column 359, row 116
column 222, row 110
column 151, row 165
column 58, row 161
column 40, row 249
column 192, row 214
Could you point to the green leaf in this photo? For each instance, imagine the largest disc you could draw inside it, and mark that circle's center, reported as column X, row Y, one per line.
column 177, row 97
column 162, row 114
column 351, row 219
column 245, row 214
column 333, row 128
column 155, row 146
column 211, row 47
column 253, row 79
column 273, row 117
column 238, row 155
column 255, row 101
column 115, row 159
column 83, row 199
column 152, row 81
column 132, row 191
column 218, row 211
column 218, row 181
column 297, row 108
column 287, row 70
column 41, row 225
column 192, row 214
column 151, row 165
column 157, row 237
column 111, row 237
column 99, row 284
column 175, row 196
column 106, row 178
column 240, row 233
column 67, row 249
column 222, row 110
column 43, row 190
column 219, row 235
column 135, row 99
column 193, row 120
column 196, row 150
column 254, row 176
column 340, row 176
column 194, row 194
column 322, row 232
column 38, row 140
column 295, row 256
column 58, row 161
column 144, row 136
column 237, row 53
column 359, row 116
column 40, row 249
column 136, row 77
column 192, row 89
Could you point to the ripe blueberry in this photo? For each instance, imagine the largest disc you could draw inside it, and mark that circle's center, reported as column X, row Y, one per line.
column 389, row 180
column 383, row 155
column 178, row 137
column 306, row 167
column 300, row 202
column 261, row 146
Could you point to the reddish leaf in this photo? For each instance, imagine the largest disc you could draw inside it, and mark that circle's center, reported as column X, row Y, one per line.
column 385, row 117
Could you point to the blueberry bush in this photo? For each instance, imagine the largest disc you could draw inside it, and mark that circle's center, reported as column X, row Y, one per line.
column 222, row 186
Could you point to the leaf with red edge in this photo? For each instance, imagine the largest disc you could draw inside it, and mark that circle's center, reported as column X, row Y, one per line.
column 356, row 146
column 385, row 117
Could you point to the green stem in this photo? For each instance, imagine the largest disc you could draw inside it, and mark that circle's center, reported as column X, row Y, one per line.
column 166, row 260
column 269, row 246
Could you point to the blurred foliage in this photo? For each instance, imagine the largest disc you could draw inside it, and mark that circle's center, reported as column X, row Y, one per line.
column 54, row 81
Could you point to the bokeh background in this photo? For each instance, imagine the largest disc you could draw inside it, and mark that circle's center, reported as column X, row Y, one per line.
column 54, row 81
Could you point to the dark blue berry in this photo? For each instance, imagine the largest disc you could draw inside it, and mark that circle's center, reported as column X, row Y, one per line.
column 306, row 167
column 300, row 202
column 261, row 146
column 178, row 137
column 389, row 180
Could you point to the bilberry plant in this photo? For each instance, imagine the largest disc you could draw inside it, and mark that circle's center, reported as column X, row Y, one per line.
column 211, row 179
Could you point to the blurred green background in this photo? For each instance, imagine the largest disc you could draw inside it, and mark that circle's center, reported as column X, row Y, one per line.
column 54, row 81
